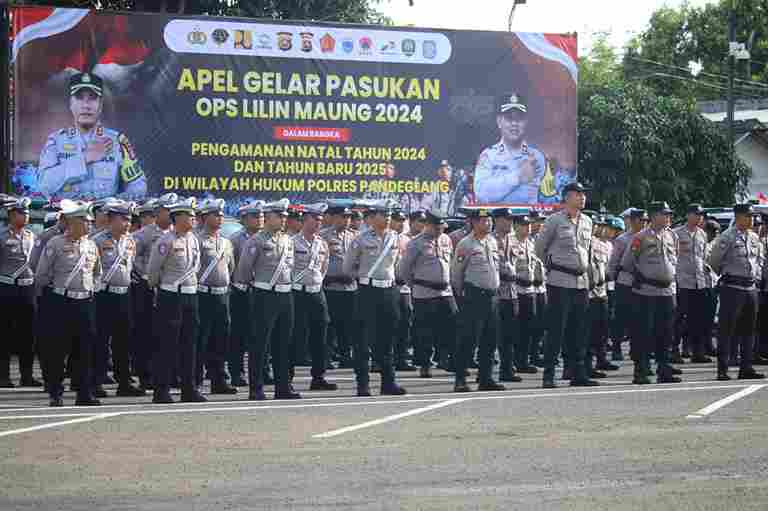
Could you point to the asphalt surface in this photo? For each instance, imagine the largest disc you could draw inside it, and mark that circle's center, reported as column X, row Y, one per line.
column 616, row 447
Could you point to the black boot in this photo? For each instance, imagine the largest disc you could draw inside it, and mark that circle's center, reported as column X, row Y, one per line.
column 256, row 393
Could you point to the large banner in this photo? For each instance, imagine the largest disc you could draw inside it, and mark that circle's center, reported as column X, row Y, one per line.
column 137, row 105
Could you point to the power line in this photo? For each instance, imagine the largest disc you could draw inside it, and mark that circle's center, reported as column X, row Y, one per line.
column 672, row 66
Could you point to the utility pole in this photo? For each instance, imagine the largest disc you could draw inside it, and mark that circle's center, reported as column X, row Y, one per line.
column 731, row 79
column 5, row 131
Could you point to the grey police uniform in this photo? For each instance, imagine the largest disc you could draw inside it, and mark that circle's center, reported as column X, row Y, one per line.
column 692, row 289
column 341, row 292
column 65, row 174
column 564, row 244
column 239, row 305
column 509, row 308
column 526, row 264
column 598, row 302
column 371, row 260
column 71, row 268
column 217, row 263
column 173, row 265
column 17, row 301
column 624, row 314
column 738, row 257
column 652, row 259
column 309, row 269
column 425, row 266
column 475, row 275
column 265, row 265
column 114, row 306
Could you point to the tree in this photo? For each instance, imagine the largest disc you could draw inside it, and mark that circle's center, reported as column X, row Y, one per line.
column 636, row 146
column 348, row 11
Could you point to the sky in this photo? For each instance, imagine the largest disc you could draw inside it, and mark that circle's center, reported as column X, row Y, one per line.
column 623, row 18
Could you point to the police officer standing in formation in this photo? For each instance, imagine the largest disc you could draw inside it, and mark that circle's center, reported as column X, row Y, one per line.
column 144, row 295
column 252, row 219
column 217, row 263
column 565, row 244
column 265, row 264
column 652, row 259
column 737, row 256
column 475, row 277
column 71, row 267
column 507, row 293
column 691, row 284
column 371, row 260
column 598, row 303
column 425, row 268
column 309, row 269
column 405, row 301
column 17, row 294
column 173, row 267
column 525, row 271
column 114, row 305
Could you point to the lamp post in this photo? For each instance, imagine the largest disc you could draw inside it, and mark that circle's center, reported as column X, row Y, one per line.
column 515, row 3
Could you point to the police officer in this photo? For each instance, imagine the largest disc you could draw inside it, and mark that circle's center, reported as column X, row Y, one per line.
column 625, row 313
column 425, row 267
column 87, row 159
column 509, row 308
column 265, row 264
column 114, row 305
column 738, row 257
column 252, row 218
column 564, row 245
column 652, row 259
column 173, row 266
column 17, row 294
column 144, row 296
column 598, row 302
column 217, row 263
column 540, row 286
column 510, row 171
column 475, row 276
column 691, row 285
column 340, row 289
column 405, row 302
column 309, row 269
column 525, row 289
column 146, row 212
column 371, row 260
column 70, row 265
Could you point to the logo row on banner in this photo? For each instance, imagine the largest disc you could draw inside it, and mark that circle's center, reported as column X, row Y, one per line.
column 307, row 42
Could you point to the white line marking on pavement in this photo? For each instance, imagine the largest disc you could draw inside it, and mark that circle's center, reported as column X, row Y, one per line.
column 724, row 402
column 57, row 424
column 389, row 418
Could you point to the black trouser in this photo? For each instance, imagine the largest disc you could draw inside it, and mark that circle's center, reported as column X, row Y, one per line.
column 509, row 333
column 761, row 343
column 271, row 317
column 692, row 320
column 624, row 316
column 240, row 308
column 567, row 330
column 144, row 345
column 114, row 320
column 434, row 326
column 655, row 325
column 17, row 321
column 343, row 310
column 598, row 331
column 177, row 322
column 738, row 316
column 75, row 322
column 312, row 327
column 478, row 326
column 379, row 315
column 540, row 325
column 403, row 331
column 213, row 337
column 526, row 329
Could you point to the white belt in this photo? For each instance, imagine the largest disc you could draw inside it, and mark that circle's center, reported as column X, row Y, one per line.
column 77, row 295
column 307, row 289
column 116, row 290
column 16, row 282
column 185, row 290
column 376, row 282
column 241, row 287
column 213, row 290
column 280, row 288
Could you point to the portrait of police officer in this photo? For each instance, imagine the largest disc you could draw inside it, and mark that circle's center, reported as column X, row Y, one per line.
column 87, row 159
column 510, row 171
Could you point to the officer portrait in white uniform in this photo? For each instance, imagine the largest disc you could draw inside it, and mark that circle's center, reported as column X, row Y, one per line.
column 87, row 160
column 510, row 172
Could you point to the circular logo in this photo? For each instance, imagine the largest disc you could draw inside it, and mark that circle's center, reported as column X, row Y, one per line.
column 220, row 36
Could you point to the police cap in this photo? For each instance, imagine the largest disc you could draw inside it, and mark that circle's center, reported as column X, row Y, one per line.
column 87, row 81
column 659, row 207
column 512, row 102
column 743, row 209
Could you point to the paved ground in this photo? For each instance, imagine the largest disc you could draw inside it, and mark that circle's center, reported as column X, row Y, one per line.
column 617, row 446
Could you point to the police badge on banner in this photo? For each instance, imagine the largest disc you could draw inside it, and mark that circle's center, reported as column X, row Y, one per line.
column 252, row 109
